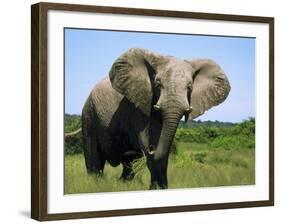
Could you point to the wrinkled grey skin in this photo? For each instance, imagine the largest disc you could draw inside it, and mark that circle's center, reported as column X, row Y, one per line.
column 135, row 111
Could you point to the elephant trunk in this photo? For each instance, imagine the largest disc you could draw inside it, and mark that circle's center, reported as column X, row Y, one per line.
column 169, row 127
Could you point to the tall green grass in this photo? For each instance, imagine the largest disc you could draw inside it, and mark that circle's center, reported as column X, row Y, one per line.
column 192, row 165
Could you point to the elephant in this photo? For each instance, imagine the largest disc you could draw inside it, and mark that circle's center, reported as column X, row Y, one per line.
column 135, row 110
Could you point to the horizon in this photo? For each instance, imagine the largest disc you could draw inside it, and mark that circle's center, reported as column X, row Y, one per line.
column 89, row 55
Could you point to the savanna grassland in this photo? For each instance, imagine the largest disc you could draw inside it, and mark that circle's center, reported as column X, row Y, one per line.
column 204, row 154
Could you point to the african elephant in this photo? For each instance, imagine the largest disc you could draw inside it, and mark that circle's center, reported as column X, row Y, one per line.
column 135, row 111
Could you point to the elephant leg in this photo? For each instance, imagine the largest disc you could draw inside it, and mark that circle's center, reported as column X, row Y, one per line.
column 153, row 176
column 127, row 173
column 158, row 173
column 162, row 177
column 93, row 158
column 154, row 181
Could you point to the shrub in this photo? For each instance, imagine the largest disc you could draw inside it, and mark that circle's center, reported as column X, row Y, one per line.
column 241, row 135
column 71, row 122
column 73, row 144
column 233, row 142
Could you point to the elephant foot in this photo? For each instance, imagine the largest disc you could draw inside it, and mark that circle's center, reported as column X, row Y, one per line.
column 155, row 186
column 163, row 187
column 127, row 177
column 98, row 173
column 127, row 173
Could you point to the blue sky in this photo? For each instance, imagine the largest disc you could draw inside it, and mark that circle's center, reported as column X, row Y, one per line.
column 89, row 55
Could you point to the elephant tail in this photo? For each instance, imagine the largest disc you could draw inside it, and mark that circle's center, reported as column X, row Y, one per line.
column 73, row 133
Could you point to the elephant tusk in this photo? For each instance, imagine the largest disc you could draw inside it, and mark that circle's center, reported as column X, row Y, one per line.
column 189, row 109
column 187, row 112
column 156, row 107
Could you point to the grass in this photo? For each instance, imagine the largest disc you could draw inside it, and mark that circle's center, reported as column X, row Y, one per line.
column 194, row 165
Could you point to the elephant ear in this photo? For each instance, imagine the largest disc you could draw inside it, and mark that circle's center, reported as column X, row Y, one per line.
column 131, row 75
column 210, row 86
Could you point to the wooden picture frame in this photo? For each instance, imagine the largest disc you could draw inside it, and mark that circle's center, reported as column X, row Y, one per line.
column 39, row 109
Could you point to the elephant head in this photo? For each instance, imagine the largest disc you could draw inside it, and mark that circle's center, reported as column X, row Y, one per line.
column 169, row 85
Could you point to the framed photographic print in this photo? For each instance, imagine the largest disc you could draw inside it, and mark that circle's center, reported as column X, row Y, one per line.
column 139, row 111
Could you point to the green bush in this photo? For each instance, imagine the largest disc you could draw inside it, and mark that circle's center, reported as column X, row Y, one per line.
column 233, row 142
column 241, row 135
column 199, row 135
column 72, row 144
column 71, row 123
